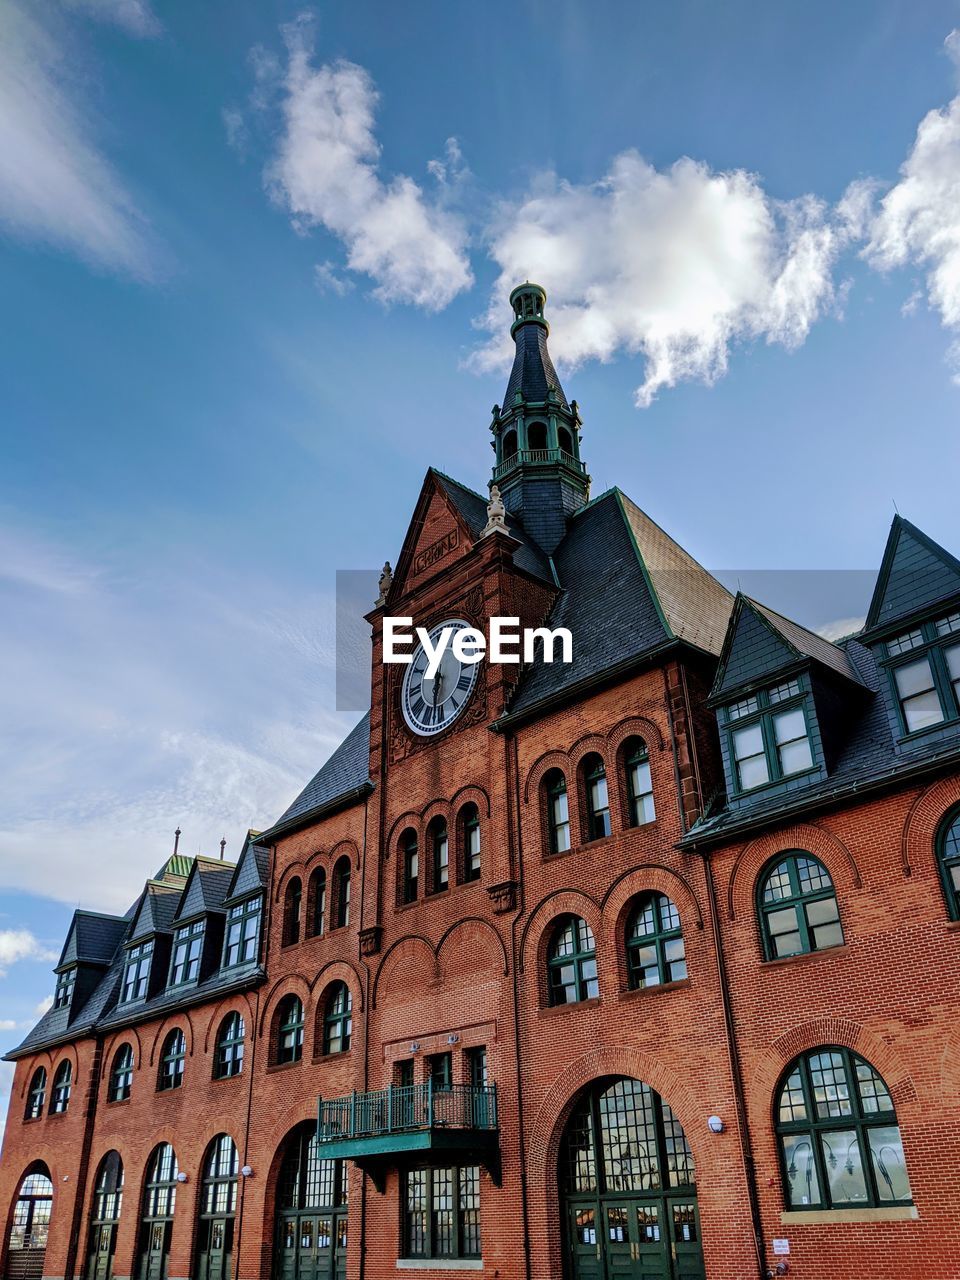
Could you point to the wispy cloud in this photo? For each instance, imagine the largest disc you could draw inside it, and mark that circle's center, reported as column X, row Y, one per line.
column 56, row 185
column 136, row 17
column 20, row 944
column 326, row 173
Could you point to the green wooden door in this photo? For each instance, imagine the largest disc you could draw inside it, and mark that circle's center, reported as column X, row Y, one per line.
column 584, row 1245
column 153, row 1263
column 686, row 1246
column 214, row 1259
column 101, row 1262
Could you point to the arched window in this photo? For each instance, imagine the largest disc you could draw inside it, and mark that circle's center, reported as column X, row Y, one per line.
column 105, row 1214
column 156, row 1219
column 509, row 447
column 289, row 1042
column 470, row 841
column 572, row 962
column 948, row 847
column 839, row 1139
column 36, row 1094
column 338, row 1019
column 798, row 907
column 62, row 1083
column 410, row 866
column 639, row 788
column 312, row 1221
column 121, row 1075
column 27, row 1241
column 537, row 435
column 228, row 1054
column 597, row 800
column 341, row 889
column 558, row 812
column 218, row 1204
column 565, row 440
column 655, row 951
column 439, row 856
column 292, row 905
column 172, row 1061
column 318, row 902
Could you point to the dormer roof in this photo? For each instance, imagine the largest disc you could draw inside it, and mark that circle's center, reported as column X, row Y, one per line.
column 207, row 886
column 916, row 574
column 92, row 938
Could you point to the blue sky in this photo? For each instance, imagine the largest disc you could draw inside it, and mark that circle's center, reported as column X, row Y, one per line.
column 254, row 258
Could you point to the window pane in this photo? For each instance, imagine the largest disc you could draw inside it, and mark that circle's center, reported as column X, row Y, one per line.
column 843, row 1161
column 886, row 1152
column 904, row 643
column 795, row 757
column 753, row 773
column 803, row 1185
column 947, row 626
column 831, row 1088
column 822, row 912
column 748, row 742
column 914, row 678
column 793, row 1105
column 922, row 711
column 789, row 725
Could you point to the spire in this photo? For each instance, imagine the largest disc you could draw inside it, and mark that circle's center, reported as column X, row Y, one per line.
column 537, row 431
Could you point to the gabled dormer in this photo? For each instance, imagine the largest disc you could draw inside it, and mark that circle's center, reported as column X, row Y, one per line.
column 244, row 905
column 198, row 924
column 913, row 629
column 147, row 949
column 90, row 945
column 784, row 698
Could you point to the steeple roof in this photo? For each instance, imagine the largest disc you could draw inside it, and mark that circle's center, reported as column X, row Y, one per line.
column 533, row 373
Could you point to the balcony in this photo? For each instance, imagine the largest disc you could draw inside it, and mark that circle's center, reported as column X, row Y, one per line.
column 390, row 1126
column 538, row 458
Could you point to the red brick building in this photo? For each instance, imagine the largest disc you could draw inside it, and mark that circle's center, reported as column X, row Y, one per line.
column 643, row 965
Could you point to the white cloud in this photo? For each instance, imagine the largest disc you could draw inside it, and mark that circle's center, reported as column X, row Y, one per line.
column 44, row 1006
column 135, row 16
column 675, row 266
column 918, row 220
column 8, row 1024
column 325, row 172
column 840, row 628
column 56, row 186
column 20, row 944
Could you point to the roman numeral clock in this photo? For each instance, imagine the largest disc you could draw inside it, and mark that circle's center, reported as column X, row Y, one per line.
column 432, row 705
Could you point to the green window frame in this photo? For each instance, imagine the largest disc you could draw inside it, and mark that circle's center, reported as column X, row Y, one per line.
column 172, row 1061
column 923, row 667
column 290, row 1021
column 572, row 962
column 187, row 950
column 641, row 808
column 121, row 1075
column 441, row 1070
column 318, row 902
column 948, row 859
column 478, row 1072
column 596, row 797
column 36, row 1095
column 410, row 866
column 338, row 1019
column 241, row 942
column 440, row 1212
column 136, row 971
column 769, row 737
column 470, row 829
column 440, row 856
column 341, row 889
column 557, row 811
column 66, row 982
column 797, row 905
column 292, row 909
column 837, row 1133
column 218, row 1195
column 655, row 948
column 228, row 1053
column 62, row 1085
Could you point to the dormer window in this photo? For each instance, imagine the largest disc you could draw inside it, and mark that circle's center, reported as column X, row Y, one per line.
column 136, row 971
column 187, row 946
column 242, row 942
column 774, row 742
column 925, row 673
column 66, row 982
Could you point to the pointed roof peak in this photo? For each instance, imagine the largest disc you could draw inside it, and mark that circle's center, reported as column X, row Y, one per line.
column 916, row 573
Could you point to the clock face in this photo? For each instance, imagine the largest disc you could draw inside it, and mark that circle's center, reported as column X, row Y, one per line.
column 430, row 706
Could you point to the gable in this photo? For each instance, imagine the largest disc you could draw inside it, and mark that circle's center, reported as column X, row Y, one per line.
column 916, row 573
column 754, row 651
column 157, row 908
column 437, row 537
column 250, row 873
column 92, row 937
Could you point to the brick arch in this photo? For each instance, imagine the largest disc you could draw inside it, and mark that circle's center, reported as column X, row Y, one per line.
column 469, row 793
column 43, row 1059
column 129, row 1035
column 636, row 727
column 238, row 1003
column 589, row 744
column 484, row 926
column 542, row 766
column 411, row 942
column 435, row 809
column 658, row 878
column 69, row 1052
column 920, row 831
column 844, row 1032
column 534, row 939
column 339, row 971
column 181, row 1020
column 950, row 1069
column 298, row 868
column 349, row 847
column 397, row 828
column 293, row 984
column 806, row 837
column 318, row 858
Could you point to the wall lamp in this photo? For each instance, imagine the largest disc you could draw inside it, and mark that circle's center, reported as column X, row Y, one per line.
column 715, row 1124
column 246, row 1172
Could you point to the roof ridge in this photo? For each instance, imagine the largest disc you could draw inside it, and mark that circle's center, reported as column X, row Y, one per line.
column 459, row 483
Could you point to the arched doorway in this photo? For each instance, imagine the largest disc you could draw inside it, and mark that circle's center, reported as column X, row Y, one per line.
column 628, row 1188
column 104, row 1217
column 311, row 1211
column 218, row 1204
column 156, row 1219
column 27, row 1245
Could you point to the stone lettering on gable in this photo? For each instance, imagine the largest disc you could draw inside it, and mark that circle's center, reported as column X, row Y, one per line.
column 436, row 551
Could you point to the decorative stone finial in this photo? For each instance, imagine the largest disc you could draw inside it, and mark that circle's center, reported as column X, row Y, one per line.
column 496, row 514
column 386, row 582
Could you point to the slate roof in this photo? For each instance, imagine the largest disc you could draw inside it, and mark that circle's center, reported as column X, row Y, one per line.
column 157, row 909
column 206, row 888
column 346, row 770
column 92, row 938
column 473, row 507
column 533, row 372
column 252, row 869
column 916, row 573
column 761, row 643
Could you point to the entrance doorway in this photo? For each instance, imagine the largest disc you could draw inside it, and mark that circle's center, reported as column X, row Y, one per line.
column 27, row 1245
column 218, row 1205
column 311, row 1212
column 156, row 1218
column 628, row 1188
column 107, row 1203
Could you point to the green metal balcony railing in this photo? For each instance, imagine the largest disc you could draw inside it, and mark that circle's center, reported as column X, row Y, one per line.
column 402, row 1110
column 538, row 458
